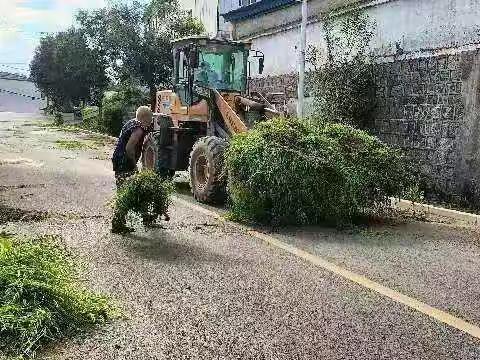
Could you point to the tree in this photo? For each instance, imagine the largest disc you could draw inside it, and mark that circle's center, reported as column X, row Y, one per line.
column 135, row 39
column 67, row 70
column 341, row 78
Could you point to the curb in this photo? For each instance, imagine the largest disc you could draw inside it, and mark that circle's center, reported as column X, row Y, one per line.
column 471, row 219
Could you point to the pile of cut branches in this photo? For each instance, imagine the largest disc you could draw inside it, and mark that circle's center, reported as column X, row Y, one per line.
column 290, row 171
column 145, row 194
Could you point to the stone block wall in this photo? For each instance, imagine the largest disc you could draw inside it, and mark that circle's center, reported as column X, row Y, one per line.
column 420, row 109
column 424, row 106
column 429, row 106
column 285, row 83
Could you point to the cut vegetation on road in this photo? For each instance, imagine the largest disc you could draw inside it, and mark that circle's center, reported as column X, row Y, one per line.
column 289, row 171
column 72, row 145
column 91, row 142
column 42, row 298
column 145, row 194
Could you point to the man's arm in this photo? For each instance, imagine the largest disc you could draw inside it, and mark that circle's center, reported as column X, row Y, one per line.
column 131, row 148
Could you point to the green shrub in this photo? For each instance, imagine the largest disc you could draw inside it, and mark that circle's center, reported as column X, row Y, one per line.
column 342, row 78
column 113, row 112
column 58, row 119
column 91, row 118
column 41, row 296
column 117, row 104
column 145, row 194
column 289, row 171
column 343, row 92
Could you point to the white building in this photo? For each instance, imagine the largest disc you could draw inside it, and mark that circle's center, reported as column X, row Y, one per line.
column 207, row 12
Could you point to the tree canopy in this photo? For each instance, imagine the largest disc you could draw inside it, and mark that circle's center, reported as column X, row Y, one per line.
column 122, row 42
column 135, row 39
column 67, row 70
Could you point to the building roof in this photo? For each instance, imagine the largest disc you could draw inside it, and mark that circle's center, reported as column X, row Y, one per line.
column 9, row 76
column 205, row 39
column 267, row 6
column 260, row 7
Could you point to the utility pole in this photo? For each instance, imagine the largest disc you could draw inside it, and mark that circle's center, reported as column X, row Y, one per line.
column 301, row 61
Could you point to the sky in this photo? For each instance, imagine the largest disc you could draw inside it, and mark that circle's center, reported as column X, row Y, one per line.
column 22, row 23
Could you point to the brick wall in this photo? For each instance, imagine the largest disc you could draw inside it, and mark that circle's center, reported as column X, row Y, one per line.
column 429, row 107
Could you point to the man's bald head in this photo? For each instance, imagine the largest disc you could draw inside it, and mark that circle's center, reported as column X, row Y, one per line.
column 145, row 116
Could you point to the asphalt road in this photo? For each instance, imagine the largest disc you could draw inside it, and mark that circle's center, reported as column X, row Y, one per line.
column 199, row 288
column 19, row 104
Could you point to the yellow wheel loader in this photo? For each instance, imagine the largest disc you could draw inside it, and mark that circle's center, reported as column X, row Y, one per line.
column 209, row 103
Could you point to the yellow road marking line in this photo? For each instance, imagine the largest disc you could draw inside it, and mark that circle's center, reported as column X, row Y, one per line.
column 361, row 280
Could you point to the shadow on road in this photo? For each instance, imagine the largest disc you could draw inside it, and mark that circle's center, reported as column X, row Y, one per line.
column 161, row 246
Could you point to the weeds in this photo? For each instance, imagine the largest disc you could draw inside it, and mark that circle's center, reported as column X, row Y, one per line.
column 79, row 145
column 89, row 141
column 145, row 194
column 42, row 298
column 72, row 145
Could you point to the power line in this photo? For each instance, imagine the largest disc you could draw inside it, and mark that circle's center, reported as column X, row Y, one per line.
column 26, row 32
column 23, row 65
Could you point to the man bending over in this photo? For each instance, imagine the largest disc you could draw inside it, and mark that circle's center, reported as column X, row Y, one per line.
column 129, row 145
column 126, row 155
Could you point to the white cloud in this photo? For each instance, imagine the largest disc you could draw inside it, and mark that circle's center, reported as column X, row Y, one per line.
column 20, row 24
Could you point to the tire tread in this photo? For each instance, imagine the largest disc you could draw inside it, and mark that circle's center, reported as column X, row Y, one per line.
column 216, row 147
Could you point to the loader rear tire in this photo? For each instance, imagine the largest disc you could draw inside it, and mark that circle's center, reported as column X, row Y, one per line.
column 207, row 176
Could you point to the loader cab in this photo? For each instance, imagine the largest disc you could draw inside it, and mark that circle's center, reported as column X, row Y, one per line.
column 209, row 64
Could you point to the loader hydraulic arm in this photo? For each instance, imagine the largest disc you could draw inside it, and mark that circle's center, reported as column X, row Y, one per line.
column 230, row 117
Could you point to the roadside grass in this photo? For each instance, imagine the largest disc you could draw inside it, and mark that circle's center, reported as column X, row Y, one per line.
column 73, row 145
column 99, row 140
column 42, row 296
column 88, row 142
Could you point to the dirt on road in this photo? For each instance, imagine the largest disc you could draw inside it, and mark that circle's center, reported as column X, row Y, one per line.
column 198, row 288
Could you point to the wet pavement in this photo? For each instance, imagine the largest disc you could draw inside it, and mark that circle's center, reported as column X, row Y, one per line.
column 198, row 288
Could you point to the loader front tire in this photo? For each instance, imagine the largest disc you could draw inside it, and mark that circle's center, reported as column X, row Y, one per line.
column 207, row 176
column 153, row 158
column 149, row 153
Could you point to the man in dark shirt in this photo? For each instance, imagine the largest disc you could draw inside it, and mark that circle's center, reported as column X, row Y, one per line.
column 130, row 143
column 126, row 155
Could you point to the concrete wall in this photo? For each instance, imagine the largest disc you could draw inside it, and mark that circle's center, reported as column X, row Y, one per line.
column 408, row 26
column 427, row 78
